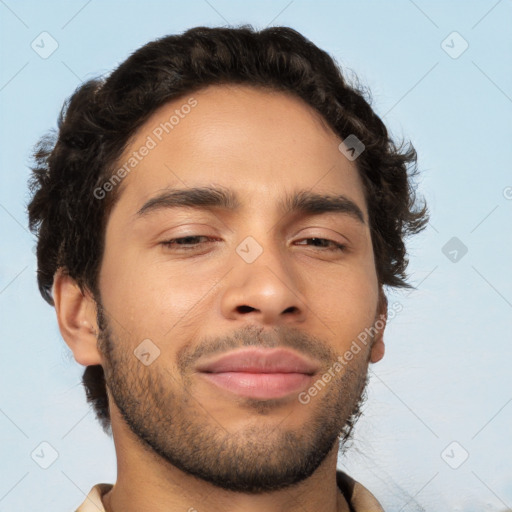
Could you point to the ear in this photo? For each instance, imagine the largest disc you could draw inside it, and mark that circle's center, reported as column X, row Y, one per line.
column 76, row 315
column 378, row 348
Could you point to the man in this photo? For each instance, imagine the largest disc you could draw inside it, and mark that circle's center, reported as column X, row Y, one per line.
column 217, row 220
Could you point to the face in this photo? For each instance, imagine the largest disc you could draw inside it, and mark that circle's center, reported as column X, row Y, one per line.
column 237, row 266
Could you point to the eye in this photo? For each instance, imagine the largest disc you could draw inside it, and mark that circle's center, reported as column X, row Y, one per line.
column 325, row 243
column 186, row 242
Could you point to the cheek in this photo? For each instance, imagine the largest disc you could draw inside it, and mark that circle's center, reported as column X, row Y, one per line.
column 149, row 298
column 347, row 304
column 350, row 308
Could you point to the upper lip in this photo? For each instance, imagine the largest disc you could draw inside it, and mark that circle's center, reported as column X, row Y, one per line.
column 257, row 360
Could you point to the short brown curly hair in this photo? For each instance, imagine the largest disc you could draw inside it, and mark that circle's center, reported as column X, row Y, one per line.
column 98, row 120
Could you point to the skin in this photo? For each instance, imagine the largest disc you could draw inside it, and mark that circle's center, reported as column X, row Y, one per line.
column 262, row 146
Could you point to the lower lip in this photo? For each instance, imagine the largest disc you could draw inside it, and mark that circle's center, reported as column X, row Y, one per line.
column 259, row 385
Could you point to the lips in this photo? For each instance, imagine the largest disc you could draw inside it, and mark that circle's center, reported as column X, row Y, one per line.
column 260, row 361
column 260, row 373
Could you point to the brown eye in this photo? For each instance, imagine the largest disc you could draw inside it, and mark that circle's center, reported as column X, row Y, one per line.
column 185, row 242
column 324, row 243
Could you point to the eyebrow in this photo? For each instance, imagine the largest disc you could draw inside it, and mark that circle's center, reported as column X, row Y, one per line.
column 204, row 198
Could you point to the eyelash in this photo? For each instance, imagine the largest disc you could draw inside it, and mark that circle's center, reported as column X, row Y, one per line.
column 172, row 242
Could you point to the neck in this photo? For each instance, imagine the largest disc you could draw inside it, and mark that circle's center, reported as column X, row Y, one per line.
column 146, row 482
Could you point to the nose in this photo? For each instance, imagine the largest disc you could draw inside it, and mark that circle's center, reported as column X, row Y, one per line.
column 266, row 291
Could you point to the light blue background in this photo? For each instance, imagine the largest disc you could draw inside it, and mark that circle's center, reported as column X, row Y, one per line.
column 446, row 374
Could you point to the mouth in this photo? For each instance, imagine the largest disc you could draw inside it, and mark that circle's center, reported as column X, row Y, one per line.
column 260, row 373
column 262, row 386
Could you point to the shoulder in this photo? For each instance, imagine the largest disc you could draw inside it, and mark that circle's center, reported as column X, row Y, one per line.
column 93, row 502
column 358, row 496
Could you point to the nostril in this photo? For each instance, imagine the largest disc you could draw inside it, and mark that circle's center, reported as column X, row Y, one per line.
column 245, row 309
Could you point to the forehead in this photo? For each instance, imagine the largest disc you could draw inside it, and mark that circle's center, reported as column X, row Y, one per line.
column 258, row 142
